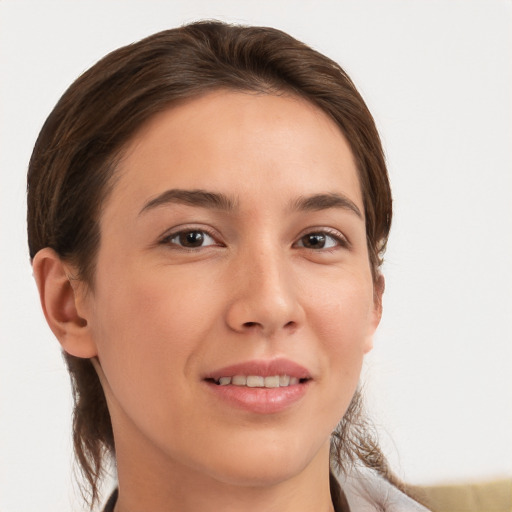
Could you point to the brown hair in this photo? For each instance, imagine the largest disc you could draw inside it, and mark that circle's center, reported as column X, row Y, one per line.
column 72, row 170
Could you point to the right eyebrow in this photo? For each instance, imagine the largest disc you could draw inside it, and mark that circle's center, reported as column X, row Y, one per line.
column 196, row 197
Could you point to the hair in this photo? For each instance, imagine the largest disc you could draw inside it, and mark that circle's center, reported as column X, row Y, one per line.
column 73, row 166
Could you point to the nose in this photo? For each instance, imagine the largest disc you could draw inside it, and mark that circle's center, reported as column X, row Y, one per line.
column 265, row 299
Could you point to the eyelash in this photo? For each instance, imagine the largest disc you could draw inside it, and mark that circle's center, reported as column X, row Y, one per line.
column 339, row 239
column 167, row 239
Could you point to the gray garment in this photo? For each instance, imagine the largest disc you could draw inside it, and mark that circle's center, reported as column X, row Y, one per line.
column 366, row 491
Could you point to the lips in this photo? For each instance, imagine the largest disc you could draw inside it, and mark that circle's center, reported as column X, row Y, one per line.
column 260, row 386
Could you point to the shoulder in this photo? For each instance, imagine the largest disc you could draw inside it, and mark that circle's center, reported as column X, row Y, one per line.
column 367, row 491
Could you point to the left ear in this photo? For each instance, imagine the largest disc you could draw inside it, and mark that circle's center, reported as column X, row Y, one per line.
column 376, row 313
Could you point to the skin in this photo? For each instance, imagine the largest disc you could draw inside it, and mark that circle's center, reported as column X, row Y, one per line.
column 160, row 315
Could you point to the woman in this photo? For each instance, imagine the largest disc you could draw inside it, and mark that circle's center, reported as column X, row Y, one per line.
column 207, row 214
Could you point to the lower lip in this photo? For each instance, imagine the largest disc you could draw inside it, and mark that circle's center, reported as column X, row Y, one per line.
column 260, row 400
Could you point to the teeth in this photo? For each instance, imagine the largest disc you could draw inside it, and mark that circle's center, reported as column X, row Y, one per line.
column 257, row 381
column 284, row 380
column 272, row 382
column 239, row 380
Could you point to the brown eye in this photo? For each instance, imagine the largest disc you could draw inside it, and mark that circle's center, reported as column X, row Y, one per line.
column 320, row 240
column 314, row 241
column 190, row 239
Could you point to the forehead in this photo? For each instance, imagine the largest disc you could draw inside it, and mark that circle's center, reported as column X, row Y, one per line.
column 240, row 141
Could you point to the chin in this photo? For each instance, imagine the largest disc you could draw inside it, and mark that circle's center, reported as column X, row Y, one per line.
column 264, row 464
column 266, row 474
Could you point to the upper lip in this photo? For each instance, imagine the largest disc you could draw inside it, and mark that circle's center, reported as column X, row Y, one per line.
column 264, row 368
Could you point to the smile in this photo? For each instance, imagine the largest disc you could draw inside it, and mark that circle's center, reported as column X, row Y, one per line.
column 260, row 386
column 259, row 381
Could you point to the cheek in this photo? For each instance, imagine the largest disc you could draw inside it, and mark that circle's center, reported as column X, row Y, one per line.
column 341, row 311
column 342, row 318
column 149, row 338
column 143, row 302
column 148, row 332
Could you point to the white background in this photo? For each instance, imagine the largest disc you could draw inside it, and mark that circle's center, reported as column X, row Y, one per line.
column 437, row 76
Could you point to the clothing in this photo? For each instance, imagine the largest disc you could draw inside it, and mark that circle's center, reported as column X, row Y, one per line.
column 111, row 503
column 364, row 490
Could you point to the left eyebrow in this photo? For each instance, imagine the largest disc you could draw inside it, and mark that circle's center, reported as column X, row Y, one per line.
column 324, row 202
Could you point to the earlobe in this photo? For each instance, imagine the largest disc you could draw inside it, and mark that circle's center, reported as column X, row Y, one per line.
column 59, row 300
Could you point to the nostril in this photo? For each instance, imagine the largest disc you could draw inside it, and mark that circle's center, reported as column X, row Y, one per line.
column 252, row 325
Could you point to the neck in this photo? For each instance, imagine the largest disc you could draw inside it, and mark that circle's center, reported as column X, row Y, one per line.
column 149, row 480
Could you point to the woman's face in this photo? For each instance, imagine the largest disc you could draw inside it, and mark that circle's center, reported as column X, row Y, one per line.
column 233, row 260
